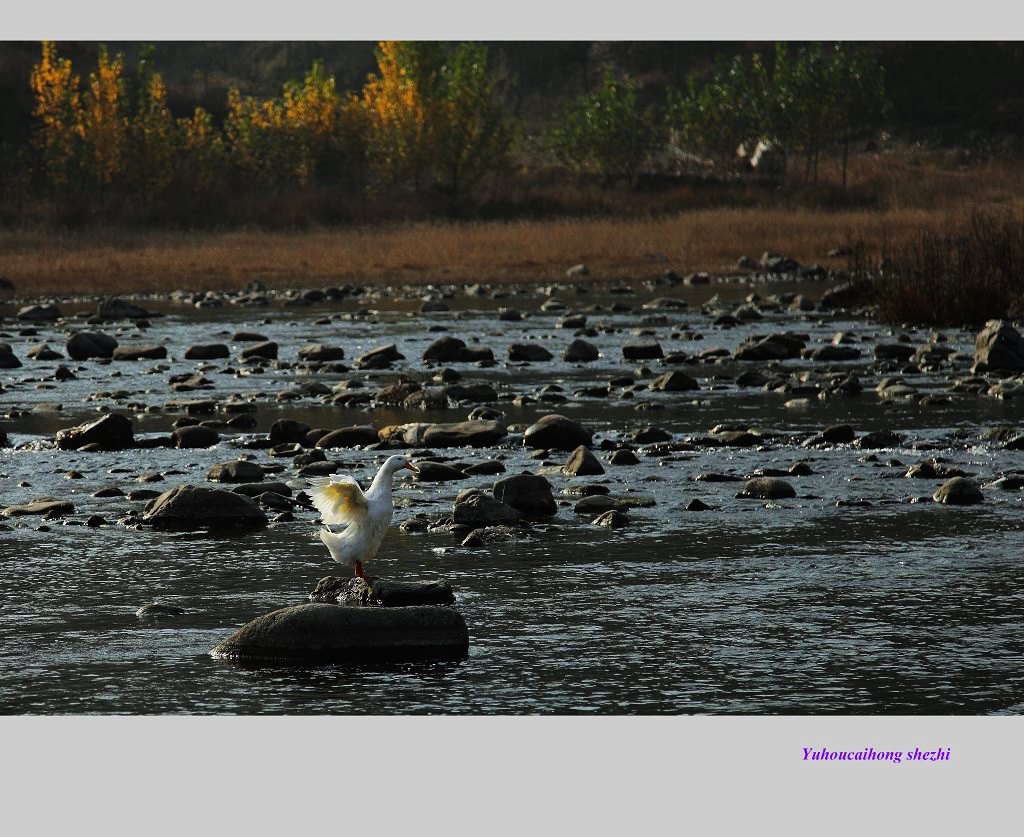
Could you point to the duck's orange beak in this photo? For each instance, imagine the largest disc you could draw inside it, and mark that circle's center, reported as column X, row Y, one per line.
column 411, row 467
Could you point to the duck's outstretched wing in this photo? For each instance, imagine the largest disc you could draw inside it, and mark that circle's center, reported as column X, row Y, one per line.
column 338, row 499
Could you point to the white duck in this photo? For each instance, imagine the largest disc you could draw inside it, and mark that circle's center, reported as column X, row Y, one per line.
column 368, row 516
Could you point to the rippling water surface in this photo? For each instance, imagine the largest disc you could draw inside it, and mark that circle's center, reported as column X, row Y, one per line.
column 807, row 605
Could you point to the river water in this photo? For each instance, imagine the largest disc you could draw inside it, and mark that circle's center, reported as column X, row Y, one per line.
column 857, row 596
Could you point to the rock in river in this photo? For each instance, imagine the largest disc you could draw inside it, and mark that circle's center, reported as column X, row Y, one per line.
column 189, row 507
column 958, row 491
column 557, row 431
column 474, row 508
column 381, row 592
column 767, row 488
column 529, row 494
column 238, row 470
column 110, row 432
column 195, row 436
column 998, row 346
column 321, row 633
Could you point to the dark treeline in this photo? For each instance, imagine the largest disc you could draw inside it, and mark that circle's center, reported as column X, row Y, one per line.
column 190, row 133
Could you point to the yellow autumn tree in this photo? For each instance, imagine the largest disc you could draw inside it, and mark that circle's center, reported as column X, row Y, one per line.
column 58, row 109
column 395, row 113
column 104, row 126
column 152, row 133
column 201, row 153
column 311, row 116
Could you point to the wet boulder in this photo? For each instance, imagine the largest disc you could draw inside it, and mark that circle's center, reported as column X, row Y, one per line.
column 879, row 439
column 110, row 432
column 998, row 347
column 147, row 351
column 266, row 350
column 530, row 352
column 321, row 352
column 529, row 494
column 582, row 462
column 767, row 488
column 331, row 633
column 558, row 432
column 596, row 504
column 40, row 352
column 674, row 381
column 475, row 508
column 238, row 470
column 189, row 507
column 115, row 308
column 380, row 358
column 769, row 347
column 477, row 433
column 349, row 437
column 900, row 352
column 89, row 344
column 642, row 350
column 8, row 360
column 580, row 351
column 958, row 491
column 430, row 471
column 39, row 313
column 445, row 349
column 207, row 351
column 283, row 431
column 381, row 592
column 195, row 436
column 41, row 506
column 612, row 519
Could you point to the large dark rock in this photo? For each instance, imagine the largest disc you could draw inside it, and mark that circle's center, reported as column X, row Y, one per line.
column 43, row 505
column 188, row 507
column 148, row 351
column 642, row 350
column 769, row 347
column 207, row 351
column 238, row 470
column 114, row 308
column 321, row 352
column 998, row 347
column 582, row 462
column 330, row 633
column 958, row 491
column 430, row 471
column 266, row 350
column 879, row 439
column 474, row 508
column 477, row 434
column 110, row 432
column 8, row 360
column 381, row 592
column 580, row 351
column 195, row 436
column 530, row 352
column 349, row 437
column 767, row 488
column 449, row 349
column 39, row 313
column 288, row 430
column 88, row 344
column 557, row 431
column 380, row 358
column 674, row 382
column 529, row 494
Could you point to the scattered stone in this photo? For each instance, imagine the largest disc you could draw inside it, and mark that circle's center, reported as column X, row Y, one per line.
column 321, row 352
column 958, row 491
column 207, row 351
column 42, row 506
column 89, row 344
column 189, row 507
column 612, row 519
column 558, row 432
column 998, row 347
column 674, row 382
column 357, row 435
column 266, row 350
column 530, row 352
column 580, row 351
column 47, row 312
column 110, row 432
column 330, row 633
column 158, row 611
column 380, row 358
column 642, row 350
column 238, row 470
column 767, row 488
column 379, row 592
column 438, row 472
column 195, row 436
column 7, row 357
column 530, row 494
column 475, row 508
column 582, row 462
column 149, row 351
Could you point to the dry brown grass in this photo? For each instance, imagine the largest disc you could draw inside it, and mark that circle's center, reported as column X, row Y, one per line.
column 638, row 237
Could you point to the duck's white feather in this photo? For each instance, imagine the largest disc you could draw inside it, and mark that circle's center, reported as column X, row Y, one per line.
column 339, row 500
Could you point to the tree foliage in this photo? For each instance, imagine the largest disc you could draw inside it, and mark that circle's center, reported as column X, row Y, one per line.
column 606, row 133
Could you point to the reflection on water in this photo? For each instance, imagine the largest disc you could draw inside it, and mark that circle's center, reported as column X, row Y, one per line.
column 808, row 607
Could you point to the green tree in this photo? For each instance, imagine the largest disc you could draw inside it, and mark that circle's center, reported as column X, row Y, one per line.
column 473, row 134
column 606, row 133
